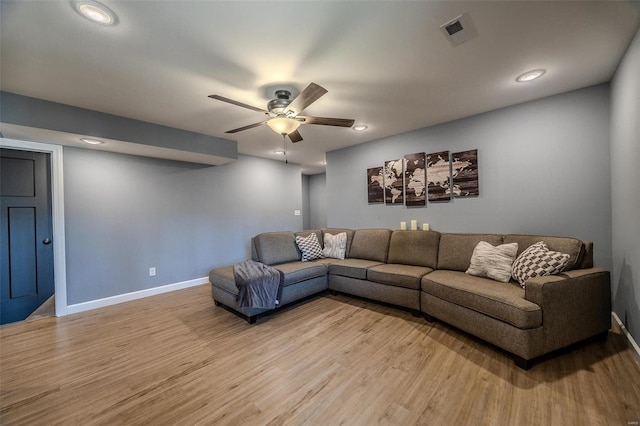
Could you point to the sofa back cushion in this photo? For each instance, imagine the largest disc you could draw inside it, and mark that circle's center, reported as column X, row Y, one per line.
column 419, row 248
column 273, row 248
column 370, row 244
column 571, row 246
column 336, row 231
column 456, row 250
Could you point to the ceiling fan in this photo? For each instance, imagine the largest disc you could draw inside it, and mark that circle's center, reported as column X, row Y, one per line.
column 283, row 112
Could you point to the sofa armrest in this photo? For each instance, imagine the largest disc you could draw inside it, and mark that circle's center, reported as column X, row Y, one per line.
column 575, row 305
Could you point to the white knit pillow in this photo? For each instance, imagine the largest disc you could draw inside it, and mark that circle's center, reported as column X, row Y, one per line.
column 493, row 262
column 310, row 247
column 538, row 260
column 335, row 245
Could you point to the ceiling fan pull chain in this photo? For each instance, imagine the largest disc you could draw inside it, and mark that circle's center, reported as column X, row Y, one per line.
column 284, row 142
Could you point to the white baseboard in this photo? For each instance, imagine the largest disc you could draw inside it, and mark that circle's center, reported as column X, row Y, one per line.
column 626, row 333
column 113, row 300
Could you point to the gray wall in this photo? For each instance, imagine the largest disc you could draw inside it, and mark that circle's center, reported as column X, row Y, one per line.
column 306, row 208
column 625, row 188
column 544, row 169
column 124, row 214
column 318, row 201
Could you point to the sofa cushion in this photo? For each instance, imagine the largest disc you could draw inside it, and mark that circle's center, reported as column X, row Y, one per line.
column 493, row 262
column 370, row 244
column 572, row 246
column 296, row 272
column 335, row 245
column 538, row 261
column 276, row 247
column 503, row 301
column 309, row 247
column 456, row 250
column 354, row 268
column 419, row 248
column 398, row 275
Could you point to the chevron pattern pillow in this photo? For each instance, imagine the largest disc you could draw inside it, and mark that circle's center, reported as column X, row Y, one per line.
column 538, row 261
column 310, row 247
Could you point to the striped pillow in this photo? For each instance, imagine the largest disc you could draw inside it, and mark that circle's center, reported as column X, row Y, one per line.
column 493, row 262
column 335, row 245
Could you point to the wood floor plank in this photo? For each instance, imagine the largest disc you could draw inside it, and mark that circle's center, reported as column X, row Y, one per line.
column 176, row 359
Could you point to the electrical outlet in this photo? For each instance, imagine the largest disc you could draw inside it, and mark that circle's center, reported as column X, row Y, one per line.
column 152, row 272
column 296, row 212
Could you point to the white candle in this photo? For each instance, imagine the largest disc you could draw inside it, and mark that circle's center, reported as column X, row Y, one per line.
column 425, row 226
column 414, row 225
column 403, row 225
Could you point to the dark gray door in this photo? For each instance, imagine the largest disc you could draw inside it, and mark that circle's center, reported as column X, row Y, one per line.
column 26, row 249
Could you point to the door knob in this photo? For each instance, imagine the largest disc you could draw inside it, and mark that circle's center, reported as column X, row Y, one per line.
column 46, row 241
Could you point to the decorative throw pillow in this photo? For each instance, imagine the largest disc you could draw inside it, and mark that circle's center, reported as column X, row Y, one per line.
column 335, row 245
column 538, row 260
column 310, row 247
column 493, row 262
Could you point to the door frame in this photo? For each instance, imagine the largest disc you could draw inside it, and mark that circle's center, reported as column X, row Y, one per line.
column 57, row 211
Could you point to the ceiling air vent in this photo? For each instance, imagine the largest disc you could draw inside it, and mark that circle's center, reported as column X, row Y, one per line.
column 459, row 30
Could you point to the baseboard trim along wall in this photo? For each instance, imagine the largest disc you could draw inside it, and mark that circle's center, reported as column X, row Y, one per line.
column 127, row 297
column 629, row 336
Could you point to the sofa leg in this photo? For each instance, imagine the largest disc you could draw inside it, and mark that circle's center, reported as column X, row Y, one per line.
column 333, row 292
column 525, row 364
column 252, row 319
column 428, row 317
column 215, row 302
column 603, row 336
column 415, row 313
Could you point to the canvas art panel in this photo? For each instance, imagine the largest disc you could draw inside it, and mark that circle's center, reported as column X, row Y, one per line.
column 393, row 184
column 439, row 176
column 464, row 166
column 415, row 177
column 375, row 185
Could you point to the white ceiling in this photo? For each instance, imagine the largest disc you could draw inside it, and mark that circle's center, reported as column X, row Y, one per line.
column 384, row 64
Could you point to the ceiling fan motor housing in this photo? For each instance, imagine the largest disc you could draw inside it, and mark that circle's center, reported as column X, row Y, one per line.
column 279, row 105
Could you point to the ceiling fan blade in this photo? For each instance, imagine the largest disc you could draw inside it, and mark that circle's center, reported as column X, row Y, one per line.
column 309, row 95
column 325, row 121
column 240, row 104
column 295, row 136
column 250, row 126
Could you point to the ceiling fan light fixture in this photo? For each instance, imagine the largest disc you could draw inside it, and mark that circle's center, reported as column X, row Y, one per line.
column 283, row 125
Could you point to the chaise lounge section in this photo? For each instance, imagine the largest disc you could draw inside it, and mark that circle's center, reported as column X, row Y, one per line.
column 425, row 272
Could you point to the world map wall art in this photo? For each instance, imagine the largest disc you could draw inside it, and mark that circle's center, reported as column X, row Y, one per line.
column 417, row 177
column 393, row 185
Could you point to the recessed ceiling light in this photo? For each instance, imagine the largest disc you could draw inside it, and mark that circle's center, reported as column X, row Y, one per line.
column 359, row 127
column 530, row 75
column 95, row 12
column 92, row 141
column 279, row 152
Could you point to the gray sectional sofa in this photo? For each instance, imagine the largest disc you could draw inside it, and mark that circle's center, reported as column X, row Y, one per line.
column 424, row 271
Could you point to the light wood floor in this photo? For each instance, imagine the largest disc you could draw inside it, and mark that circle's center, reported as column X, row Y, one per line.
column 177, row 359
